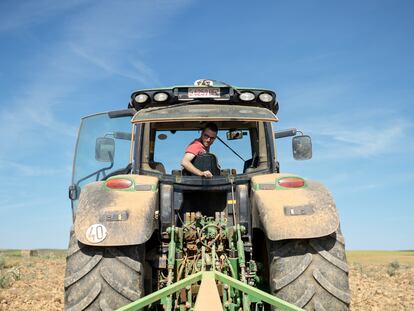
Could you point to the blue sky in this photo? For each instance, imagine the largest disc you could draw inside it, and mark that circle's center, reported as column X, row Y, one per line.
column 343, row 71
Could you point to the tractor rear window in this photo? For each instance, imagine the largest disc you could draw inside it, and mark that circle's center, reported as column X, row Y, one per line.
column 169, row 148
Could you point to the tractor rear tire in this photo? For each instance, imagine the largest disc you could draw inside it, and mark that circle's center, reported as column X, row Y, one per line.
column 102, row 278
column 311, row 273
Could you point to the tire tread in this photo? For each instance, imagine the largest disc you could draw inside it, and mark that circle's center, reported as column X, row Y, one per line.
column 87, row 300
column 294, row 273
column 102, row 278
column 340, row 294
column 311, row 273
column 76, row 276
column 117, row 286
column 331, row 258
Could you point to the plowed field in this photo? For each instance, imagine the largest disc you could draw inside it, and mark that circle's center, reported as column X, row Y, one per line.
column 379, row 281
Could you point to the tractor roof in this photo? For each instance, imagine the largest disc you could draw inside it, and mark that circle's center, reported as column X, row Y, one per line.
column 204, row 112
column 204, row 92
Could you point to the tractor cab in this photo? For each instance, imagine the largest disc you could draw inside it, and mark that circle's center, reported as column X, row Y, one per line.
column 172, row 118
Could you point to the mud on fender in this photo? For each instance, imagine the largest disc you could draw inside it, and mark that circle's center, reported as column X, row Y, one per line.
column 283, row 213
column 115, row 217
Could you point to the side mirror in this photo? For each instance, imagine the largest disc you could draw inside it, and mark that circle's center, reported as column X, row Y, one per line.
column 232, row 135
column 302, row 147
column 73, row 192
column 122, row 135
column 105, row 149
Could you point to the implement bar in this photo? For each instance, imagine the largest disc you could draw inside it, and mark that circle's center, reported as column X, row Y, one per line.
column 225, row 279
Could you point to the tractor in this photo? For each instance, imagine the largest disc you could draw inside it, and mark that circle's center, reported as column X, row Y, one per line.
column 149, row 235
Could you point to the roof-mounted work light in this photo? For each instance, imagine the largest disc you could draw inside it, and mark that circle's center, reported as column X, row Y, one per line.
column 246, row 96
column 141, row 98
column 160, row 97
column 265, row 97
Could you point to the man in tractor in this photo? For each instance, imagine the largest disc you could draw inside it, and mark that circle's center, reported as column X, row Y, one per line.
column 199, row 147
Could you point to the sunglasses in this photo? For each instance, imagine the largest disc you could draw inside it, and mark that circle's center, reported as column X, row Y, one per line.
column 208, row 136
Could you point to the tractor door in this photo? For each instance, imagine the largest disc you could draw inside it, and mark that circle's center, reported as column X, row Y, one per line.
column 102, row 148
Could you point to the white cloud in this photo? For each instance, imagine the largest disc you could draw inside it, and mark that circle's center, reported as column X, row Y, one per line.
column 30, row 122
column 114, row 36
column 104, row 35
column 357, row 133
column 25, row 14
column 315, row 93
column 27, row 170
column 137, row 70
column 356, row 140
column 146, row 73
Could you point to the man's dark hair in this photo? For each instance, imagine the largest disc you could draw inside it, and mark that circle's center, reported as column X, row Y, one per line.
column 212, row 126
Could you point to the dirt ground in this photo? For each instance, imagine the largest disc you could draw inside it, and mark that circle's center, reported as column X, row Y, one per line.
column 379, row 281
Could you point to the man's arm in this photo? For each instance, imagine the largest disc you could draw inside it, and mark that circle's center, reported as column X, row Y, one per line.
column 186, row 163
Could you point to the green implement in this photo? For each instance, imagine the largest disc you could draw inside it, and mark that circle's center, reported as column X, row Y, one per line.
column 252, row 293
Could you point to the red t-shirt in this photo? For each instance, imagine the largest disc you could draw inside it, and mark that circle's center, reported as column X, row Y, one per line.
column 196, row 148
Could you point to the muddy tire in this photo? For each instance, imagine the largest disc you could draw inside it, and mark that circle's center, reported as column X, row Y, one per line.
column 311, row 273
column 102, row 278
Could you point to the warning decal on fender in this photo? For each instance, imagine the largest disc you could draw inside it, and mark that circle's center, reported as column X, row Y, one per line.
column 96, row 233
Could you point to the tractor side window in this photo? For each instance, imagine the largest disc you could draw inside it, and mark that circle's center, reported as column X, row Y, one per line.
column 103, row 147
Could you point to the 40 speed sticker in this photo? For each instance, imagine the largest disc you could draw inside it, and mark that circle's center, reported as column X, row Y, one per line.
column 96, row 233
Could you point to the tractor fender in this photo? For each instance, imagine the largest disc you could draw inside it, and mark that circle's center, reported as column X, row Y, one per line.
column 292, row 213
column 116, row 217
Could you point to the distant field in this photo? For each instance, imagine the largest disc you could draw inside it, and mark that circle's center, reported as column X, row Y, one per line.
column 380, row 257
column 41, row 252
column 15, row 255
column 362, row 257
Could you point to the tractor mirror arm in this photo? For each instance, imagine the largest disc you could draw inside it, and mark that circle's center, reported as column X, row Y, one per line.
column 285, row 133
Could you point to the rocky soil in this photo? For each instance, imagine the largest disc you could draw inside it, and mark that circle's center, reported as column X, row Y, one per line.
column 379, row 287
column 38, row 285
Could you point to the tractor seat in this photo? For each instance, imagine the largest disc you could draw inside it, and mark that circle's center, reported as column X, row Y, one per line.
column 205, row 162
